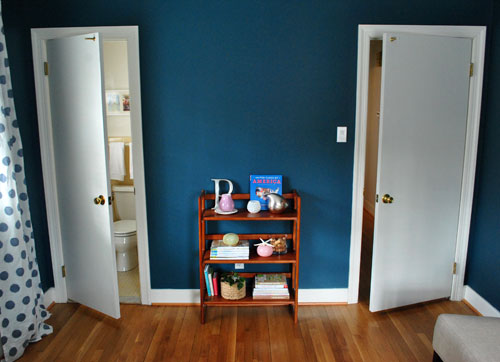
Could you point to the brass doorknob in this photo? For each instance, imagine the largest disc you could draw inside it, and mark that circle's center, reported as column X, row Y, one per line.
column 100, row 200
column 387, row 199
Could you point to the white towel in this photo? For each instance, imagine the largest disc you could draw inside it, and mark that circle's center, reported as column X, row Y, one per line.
column 116, row 160
column 130, row 161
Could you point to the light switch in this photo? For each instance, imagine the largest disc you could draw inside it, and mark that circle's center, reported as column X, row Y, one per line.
column 341, row 134
column 239, row 266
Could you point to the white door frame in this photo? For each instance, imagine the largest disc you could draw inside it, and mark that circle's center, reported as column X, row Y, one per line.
column 370, row 32
column 131, row 34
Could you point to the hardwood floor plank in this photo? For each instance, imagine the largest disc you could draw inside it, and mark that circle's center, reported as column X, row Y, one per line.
column 226, row 348
column 277, row 342
column 350, row 351
column 261, row 349
column 166, row 335
column 324, row 333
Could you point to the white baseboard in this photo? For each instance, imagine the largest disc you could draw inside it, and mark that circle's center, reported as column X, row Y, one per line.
column 49, row 297
column 193, row 296
column 323, row 295
column 479, row 303
column 175, row 296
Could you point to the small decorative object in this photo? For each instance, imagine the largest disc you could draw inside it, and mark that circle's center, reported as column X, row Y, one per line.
column 230, row 239
column 260, row 185
column 264, row 248
column 276, row 203
column 253, row 206
column 279, row 246
column 117, row 102
column 233, row 286
column 225, row 205
column 126, row 103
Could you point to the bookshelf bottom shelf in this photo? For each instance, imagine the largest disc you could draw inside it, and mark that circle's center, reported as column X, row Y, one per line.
column 248, row 301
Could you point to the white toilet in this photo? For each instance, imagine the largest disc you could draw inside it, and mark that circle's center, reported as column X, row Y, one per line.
column 125, row 229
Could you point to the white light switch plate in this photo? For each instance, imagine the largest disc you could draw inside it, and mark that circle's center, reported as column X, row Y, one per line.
column 341, row 134
column 239, row 266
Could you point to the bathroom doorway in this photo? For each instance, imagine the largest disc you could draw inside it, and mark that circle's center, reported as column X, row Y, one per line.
column 121, row 169
column 129, row 106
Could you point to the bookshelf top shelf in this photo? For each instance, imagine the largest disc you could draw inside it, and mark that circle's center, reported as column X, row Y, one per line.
column 243, row 215
column 208, row 214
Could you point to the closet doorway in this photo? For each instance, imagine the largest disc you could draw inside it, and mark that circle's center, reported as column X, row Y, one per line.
column 82, row 116
column 430, row 98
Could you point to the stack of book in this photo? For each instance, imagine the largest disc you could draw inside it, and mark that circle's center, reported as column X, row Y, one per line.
column 211, row 281
column 219, row 250
column 270, row 286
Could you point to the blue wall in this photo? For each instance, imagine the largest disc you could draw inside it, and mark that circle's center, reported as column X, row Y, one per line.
column 483, row 263
column 219, row 80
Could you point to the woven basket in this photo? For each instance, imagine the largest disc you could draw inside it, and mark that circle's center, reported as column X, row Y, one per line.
column 232, row 292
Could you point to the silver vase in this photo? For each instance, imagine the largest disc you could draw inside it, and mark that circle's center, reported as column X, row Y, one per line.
column 276, row 203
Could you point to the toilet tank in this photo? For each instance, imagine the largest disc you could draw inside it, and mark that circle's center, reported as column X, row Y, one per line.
column 124, row 202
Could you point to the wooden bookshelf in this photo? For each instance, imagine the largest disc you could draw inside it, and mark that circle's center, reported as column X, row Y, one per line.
column 291, row 215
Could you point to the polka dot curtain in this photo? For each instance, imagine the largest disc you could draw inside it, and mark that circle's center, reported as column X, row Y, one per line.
column 22, row 313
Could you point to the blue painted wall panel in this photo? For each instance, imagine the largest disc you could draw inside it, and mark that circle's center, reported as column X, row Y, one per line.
column 220, row 80
column 483, row 264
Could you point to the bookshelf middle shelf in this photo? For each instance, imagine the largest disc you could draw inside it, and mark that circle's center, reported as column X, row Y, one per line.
column 288, row 258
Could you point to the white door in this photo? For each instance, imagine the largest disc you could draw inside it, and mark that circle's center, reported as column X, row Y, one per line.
column 424, row 100
column 79, row 132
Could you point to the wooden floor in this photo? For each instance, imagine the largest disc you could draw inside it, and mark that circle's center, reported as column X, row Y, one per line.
column 324, row 333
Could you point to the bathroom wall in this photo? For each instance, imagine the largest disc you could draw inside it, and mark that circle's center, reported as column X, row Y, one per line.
column 116, row 79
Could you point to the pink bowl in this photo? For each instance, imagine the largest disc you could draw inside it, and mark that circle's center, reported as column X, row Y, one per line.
column 264, row 250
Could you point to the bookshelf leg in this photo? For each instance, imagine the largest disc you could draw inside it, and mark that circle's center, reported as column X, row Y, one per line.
column 202, row 313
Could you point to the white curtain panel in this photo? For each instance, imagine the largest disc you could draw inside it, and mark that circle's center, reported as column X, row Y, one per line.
column 22, row 313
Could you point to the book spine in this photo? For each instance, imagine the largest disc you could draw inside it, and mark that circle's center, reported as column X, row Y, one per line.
column 271, row 286
column 271, row 297
column 207, row 284
column 210, row 277
column 216, row 284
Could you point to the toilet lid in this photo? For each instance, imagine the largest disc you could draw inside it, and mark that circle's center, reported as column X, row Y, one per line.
column 124, row 227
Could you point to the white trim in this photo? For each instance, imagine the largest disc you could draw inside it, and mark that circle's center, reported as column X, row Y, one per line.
column 365, row 34
column 49, row 297
column 131, row 34
column 325, row 295
column 479, row 303
column 192, row 296
column 175, row 296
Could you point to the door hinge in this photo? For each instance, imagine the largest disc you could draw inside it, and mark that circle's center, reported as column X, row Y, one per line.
column 455, row 268
column 471, row 70
column 63, row 270
column 46, row 68
column 376, row 198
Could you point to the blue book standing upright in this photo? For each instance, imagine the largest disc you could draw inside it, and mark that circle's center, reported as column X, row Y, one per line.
column 261, row 184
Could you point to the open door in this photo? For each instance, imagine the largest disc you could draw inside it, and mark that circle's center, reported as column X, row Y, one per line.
column 75, row 83
column 424, row 100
